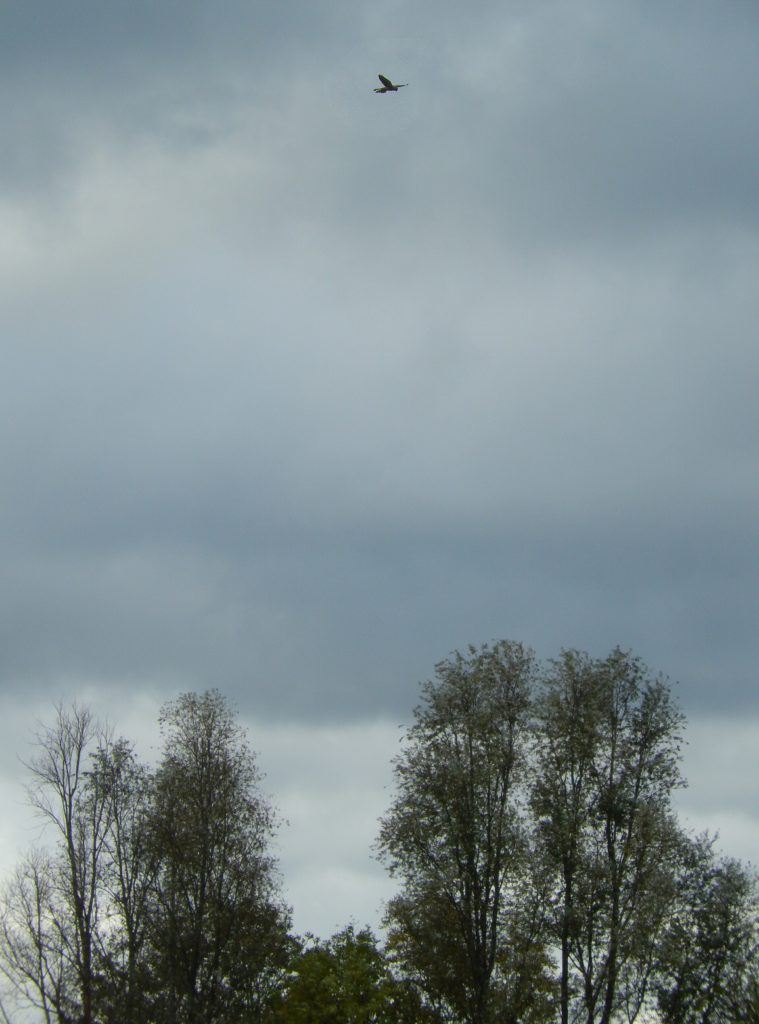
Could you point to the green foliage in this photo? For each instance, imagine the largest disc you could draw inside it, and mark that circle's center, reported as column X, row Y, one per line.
column 345, row 980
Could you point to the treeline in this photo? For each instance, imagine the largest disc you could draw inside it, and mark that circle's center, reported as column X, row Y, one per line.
column 542, row 873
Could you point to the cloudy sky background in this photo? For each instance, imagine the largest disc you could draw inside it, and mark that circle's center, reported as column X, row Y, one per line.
column 304, row 387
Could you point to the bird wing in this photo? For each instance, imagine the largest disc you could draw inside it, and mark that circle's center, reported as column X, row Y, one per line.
column 385, row 81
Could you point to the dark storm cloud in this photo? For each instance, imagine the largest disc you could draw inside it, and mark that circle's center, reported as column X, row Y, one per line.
column 302, row 387
column 576, row 122
column 76, row 76
column 305, row 387
column 225, row 512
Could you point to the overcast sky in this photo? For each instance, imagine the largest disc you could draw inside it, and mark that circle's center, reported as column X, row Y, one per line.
column 303, row 387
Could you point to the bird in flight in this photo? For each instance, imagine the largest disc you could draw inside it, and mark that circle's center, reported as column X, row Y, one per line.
column 387, row 85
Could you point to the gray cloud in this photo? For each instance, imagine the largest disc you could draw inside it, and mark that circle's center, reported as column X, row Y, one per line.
column 304, row 387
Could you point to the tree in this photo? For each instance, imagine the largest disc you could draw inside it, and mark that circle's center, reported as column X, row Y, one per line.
column 127, row 880
column 454, row 835
column 607, row 760
column 217, row 932
column 77, row 809
column 346, row 979
column 68, row 914
column 158, row 899
column 34, row 954
column 710, row 953
column 746, row 1008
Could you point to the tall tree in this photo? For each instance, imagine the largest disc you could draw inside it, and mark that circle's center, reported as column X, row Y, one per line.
column 77, row 809
column 127, row 879
column 63, row 921
column 453, row 835
column 607, row 761
column 217, row 932
column 158, row 901
column 710, row 955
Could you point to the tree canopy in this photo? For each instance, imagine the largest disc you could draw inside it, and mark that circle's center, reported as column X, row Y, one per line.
column 542, row 873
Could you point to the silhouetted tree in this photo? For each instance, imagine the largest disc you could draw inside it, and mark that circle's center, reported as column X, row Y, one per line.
column 128, row 879
column 455, row 837
column 159, row 899
column 77, row 810
column 607, row 761
column 218, row 932
column 710, row 955
column 35, row 941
